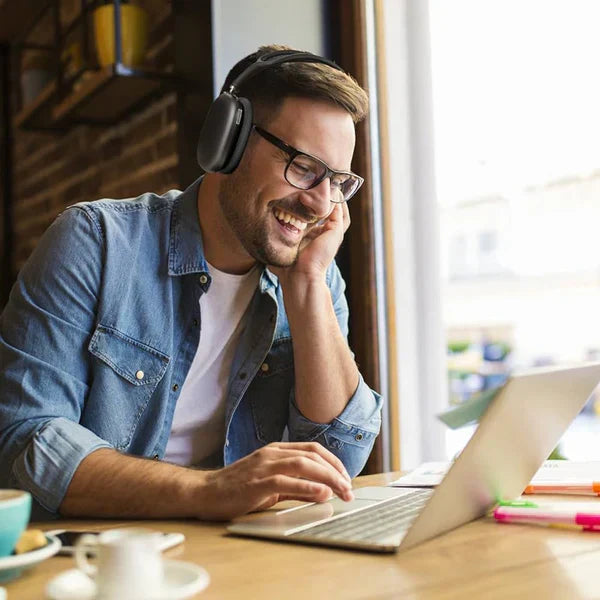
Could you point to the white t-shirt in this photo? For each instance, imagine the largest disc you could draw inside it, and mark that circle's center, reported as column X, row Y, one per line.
column 198, row 428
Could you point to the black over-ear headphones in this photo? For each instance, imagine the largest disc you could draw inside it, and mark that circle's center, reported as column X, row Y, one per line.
column 228, row 124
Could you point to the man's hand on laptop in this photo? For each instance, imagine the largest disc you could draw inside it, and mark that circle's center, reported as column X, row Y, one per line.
column 280, row 471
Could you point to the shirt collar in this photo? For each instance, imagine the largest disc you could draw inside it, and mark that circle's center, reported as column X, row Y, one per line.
column 186, row 251
column 268, row 280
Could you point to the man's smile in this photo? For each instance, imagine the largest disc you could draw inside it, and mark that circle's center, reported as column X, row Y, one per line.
column 289, row 222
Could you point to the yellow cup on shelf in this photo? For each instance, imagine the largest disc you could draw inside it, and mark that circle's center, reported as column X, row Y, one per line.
column 134, row 34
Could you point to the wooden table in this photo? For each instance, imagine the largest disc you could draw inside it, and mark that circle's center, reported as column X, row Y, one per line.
column 482, row 559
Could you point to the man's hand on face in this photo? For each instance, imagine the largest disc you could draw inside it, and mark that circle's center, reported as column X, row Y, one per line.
column 319, row 246
column 303, row 471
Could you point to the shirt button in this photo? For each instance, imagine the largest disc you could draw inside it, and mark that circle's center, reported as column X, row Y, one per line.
column 358, row 437
column 242, row 375
column 139, row 375
column 155, row 457
column 203, row 279
column 175, row 387
column 195, row 322
column 264, row 367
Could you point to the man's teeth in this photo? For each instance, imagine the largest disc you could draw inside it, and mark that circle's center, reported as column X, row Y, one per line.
column 287, row 218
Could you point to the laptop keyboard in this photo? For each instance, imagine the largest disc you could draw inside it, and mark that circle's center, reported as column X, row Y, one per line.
column 373, row 523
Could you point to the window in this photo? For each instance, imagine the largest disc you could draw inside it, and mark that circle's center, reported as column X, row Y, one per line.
column 517, row 146
column 491, row 131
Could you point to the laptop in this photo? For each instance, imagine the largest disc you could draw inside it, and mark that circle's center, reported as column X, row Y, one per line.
column 516, row 434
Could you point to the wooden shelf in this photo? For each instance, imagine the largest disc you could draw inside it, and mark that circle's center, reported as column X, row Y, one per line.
column 105, row 96
column 100, row 97
column 38, row 113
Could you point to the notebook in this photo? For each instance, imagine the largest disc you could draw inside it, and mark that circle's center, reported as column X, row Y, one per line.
column 553, row 477
column 516, row 434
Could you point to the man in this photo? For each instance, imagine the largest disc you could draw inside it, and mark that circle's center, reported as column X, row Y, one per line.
column 156, row 351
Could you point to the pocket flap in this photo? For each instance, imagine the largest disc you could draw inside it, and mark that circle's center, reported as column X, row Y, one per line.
column 279, row 358
column 138, row 363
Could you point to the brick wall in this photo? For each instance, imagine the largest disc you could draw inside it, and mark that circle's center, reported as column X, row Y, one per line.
column 55, row 170
column 87, row 163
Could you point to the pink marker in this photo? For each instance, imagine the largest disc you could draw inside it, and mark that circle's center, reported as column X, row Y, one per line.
column 547, row 515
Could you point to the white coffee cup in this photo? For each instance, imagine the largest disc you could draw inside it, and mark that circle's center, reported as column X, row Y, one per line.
column 129, row 563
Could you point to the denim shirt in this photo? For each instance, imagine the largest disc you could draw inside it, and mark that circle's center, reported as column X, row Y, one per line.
column 99, row 333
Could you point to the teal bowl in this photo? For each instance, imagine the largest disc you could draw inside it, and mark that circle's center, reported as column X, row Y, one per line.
column 15, row 510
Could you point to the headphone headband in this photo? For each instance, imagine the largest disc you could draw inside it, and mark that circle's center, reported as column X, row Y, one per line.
column 271, row 59
column 228, row 124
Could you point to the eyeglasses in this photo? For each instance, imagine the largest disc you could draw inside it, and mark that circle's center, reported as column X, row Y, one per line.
column 305, row 171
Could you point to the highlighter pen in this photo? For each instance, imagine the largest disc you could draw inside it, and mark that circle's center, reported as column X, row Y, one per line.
column 547, row 515
column 576, row 487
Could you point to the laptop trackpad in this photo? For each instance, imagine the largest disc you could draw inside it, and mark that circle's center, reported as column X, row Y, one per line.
column 292, row 520
column 331, row 508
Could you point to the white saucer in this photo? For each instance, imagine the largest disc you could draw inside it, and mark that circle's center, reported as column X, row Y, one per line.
column 182, row 580
column 11, row 566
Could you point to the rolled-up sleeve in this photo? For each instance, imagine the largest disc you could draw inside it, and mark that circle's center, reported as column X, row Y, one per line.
column 44, row 365
column 47, row 464
column 351, row 435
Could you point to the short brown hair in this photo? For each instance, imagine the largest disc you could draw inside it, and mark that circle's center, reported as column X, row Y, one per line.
column 270, row 87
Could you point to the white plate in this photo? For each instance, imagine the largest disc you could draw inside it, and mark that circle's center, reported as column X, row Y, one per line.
column 11, row 566
column 182, row 580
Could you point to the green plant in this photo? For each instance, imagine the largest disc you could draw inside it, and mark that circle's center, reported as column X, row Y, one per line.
column 458, row 346
column 556, row 455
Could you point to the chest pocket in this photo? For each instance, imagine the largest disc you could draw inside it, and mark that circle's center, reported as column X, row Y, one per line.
column 123, row 383
column 269, row 392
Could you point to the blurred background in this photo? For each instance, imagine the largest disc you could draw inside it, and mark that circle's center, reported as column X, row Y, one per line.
column 518, row 184
column 473, row 250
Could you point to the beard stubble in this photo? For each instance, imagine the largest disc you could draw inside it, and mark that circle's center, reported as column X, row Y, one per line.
column 251, row 230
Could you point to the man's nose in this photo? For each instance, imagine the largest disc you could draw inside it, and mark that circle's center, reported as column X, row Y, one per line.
column 318, row 199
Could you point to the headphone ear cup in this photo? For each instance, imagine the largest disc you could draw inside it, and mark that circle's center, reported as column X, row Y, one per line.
column 245, row 128
column 219, row 133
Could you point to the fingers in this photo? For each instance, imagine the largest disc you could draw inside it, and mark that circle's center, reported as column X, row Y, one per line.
column 346, row 216
column 289, row 453
column 284, row 497
column 304, row 471
column 306, row 460
column 292, row 488
column 335, row 218
column 305, row 467
column 340, row 217
column 315, row 448
column 333, row 205
column 310, row 460
column 314, row 232
column 325, row 237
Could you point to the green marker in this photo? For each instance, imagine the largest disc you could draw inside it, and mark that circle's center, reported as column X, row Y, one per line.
column 526, row 503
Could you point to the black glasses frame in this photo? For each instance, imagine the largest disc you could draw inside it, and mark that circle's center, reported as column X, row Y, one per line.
column 294, row 152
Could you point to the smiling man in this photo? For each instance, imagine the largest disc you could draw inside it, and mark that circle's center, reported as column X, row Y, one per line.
column 186, row 354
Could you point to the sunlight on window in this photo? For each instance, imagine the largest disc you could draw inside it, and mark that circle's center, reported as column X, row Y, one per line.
column 517, row 136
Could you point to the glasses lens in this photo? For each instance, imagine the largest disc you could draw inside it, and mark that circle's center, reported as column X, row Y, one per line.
column 345, row 185
column 304, row 171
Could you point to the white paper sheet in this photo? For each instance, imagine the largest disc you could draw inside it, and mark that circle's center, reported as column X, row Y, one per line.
column 431, row 474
